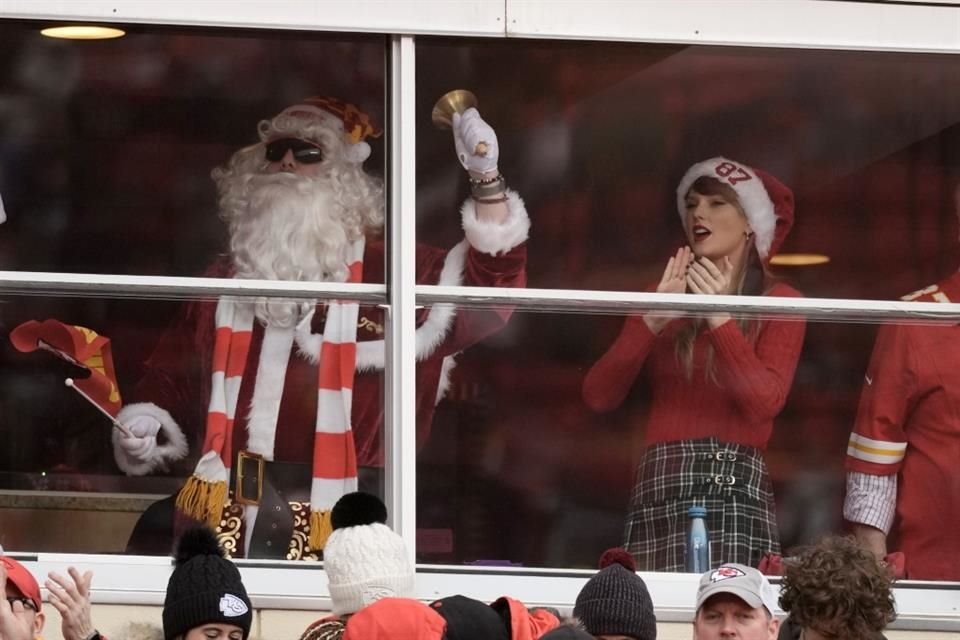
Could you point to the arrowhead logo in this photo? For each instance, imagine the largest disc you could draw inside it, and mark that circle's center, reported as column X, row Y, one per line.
column 231, row 606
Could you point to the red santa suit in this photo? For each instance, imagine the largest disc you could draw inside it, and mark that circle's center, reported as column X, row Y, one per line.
column 908, row 428
column 176, row 387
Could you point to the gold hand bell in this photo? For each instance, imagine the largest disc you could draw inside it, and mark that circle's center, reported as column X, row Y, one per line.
column 456, row 101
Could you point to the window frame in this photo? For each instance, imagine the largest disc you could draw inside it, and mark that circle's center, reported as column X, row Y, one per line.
column 824, row 24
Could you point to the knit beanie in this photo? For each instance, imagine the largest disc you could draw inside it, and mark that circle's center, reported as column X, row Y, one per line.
column 364, row 560
column 566, row 632
column 204, row 588
column 469, row 619
column 615, row 601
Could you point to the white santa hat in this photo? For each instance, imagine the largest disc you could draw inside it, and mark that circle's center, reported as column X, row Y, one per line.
column 767, row 202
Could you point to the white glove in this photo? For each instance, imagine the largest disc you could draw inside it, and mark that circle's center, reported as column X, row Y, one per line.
column 143, row 442
column 469, row 130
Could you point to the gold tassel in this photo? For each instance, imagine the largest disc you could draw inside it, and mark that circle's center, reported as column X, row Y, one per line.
column 321, row 526
column 202, row 500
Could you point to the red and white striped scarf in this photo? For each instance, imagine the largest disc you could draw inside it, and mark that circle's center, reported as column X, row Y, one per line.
column 334, row 454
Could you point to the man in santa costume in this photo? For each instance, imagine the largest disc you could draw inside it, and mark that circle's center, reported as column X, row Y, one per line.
column 903, row 489
column 282, row 401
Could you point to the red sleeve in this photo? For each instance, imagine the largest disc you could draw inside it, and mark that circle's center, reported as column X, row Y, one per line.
column 878, row 441
column 759, row 376
column 610, row 378
column 471, row 325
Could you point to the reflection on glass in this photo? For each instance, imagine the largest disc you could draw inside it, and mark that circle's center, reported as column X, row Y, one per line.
column 108, row 146
column 520, row 470
column 597, row 135
column 62, row 462
column 251, row 399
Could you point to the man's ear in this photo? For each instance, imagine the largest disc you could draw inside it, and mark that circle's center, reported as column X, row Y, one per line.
column 774, row 627
column 38, row 621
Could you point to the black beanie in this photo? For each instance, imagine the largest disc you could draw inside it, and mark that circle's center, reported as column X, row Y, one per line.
column 469, row 619
column 615, row 601
column 205, row 587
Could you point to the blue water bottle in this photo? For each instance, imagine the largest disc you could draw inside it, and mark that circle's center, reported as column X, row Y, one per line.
column 698, row 542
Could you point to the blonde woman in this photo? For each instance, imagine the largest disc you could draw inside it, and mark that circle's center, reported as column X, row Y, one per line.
column 717, row 382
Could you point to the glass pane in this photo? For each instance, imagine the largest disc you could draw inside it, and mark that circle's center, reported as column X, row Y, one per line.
column 108, row 146
column 565, row 434
column 596, row 138
column 72, row 482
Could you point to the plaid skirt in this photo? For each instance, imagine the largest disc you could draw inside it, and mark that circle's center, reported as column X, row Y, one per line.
column 730, row 480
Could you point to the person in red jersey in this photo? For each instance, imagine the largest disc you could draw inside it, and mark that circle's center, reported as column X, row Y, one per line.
column 903, row 490
column 717, row 382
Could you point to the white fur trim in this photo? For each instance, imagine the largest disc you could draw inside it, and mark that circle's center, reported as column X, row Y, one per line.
column 175, row 448
column 495, row 238
column 268, row 390
column 308, row 344
column 754, row 199
column 446, row 368
column 356, row 152
column 429, row 335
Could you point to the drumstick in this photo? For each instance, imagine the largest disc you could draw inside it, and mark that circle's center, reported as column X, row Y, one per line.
column 126, row 432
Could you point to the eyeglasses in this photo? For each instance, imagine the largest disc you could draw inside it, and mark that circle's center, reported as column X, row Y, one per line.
column 303, row 152
column 26, row 602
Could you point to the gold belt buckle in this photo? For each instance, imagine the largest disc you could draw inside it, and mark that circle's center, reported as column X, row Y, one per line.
column 247, row 484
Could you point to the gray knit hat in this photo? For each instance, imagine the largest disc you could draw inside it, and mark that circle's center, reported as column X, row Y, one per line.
column 615, row 601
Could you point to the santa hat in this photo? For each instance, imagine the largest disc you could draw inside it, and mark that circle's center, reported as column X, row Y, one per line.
column 767, row 202
column 364, row 560
column 347, row 119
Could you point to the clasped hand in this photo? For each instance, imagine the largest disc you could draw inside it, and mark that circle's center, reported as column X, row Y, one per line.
column 700, row 275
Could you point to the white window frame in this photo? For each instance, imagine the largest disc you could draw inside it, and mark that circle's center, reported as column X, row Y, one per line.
column 821, row 24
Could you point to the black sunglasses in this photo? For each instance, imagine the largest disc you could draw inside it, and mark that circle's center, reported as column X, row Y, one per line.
column 26, row 602
column 303, row 152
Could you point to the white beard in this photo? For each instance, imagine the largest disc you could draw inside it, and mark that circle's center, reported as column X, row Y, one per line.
column 286, row 227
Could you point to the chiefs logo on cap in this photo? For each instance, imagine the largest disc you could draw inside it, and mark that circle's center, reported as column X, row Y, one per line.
column 725, row 573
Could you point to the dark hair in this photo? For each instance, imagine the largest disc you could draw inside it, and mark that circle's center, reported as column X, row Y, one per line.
column 838, row 588
column 755, row 280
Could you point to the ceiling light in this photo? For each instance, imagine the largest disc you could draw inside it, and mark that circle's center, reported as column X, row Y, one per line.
column 799, row 259
column 83, row 32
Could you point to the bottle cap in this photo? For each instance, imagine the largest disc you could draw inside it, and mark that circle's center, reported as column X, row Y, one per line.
column 697, row 512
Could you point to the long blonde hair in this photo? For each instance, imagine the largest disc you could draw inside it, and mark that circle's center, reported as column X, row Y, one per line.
column 753, row 279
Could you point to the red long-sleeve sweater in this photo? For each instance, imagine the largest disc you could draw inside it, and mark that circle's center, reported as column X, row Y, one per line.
column 753, row 379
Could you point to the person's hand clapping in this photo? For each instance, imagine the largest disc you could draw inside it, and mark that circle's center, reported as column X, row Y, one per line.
column 674, row 280
column 71, row 597
column 706, row 278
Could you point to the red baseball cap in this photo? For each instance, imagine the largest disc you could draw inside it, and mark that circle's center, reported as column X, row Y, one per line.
column 23, row 580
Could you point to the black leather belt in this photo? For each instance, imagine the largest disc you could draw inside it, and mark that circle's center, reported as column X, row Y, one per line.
column 272, row 486
column 290, row 479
